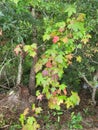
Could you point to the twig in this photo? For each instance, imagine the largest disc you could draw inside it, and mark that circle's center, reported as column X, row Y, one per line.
column 4, row 126
column 5, row 64
column 93, row 87
column 2, row 86
column 94, row 61
column 85, row 79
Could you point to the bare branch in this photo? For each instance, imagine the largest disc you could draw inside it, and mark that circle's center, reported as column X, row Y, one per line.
column 85, row 79
column 2, row 86
column 94, row 88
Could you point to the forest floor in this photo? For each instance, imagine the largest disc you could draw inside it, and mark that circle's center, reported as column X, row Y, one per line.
column 49, row 119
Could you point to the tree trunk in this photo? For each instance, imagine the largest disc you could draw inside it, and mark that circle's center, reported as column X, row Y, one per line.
column 32, row 72
column 20, row 68
column 32, row 77
column 20, row 71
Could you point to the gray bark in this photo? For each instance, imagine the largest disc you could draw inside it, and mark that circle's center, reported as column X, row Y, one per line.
column 94, row 88
column 20, row 71
column 20, row 68
column 32, row 83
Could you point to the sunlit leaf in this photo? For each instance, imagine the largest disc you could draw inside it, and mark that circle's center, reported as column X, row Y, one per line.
column 79, row 59
column 71, row 9
column 46, row 37
column 62, row 86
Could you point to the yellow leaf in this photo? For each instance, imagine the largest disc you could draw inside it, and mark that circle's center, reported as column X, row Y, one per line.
column 81, row 17
column 53, row 34
column 26, row 111
column 65, row 39
column 59, row 43
column 79, row 59
column 86, row 39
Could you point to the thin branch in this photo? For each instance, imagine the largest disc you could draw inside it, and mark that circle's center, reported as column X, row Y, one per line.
column 93, row 89
column 4, row 127
column 4, row 59
column 85, row 79
column 2, row 86
column 5, row 64
column 94, row 61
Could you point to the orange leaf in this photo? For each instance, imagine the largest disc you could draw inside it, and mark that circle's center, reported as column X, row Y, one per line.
column 48, row 64
column 69, row 62
column 59, row 91
column 26, row 111
column 18, row 49
column 65, row 91
column 0, row 32
column 54, row 93
column 65, row 39
column 69, row 56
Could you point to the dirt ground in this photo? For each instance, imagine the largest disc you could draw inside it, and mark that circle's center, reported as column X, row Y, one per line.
column 48, row 121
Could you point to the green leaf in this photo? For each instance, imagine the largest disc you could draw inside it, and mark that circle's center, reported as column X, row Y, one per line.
column 63, row 97
column 79, row 46
column 30, row 120
column 76, row 26
column 38, row 110
column 75, row 98
column 27, row 47
column 38, row 93
column 53, row 89
column 59, row 59
column 72, row 100
column 31, row 49
column 71, row 9
column 46, row 37
column 1, row 14
column 34, row 45
column 22, row 119
column 39, row 78
column 32, row 53
column 60, row 24
column 62, row 86
column 33, row 106
column 48, row 95
column 57, row 107
column 68, row 103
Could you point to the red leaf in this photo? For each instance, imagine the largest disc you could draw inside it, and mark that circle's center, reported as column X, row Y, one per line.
column 45, row 73
column 55, row 39
column 40, row 97
column 54, row 93
column 55, row 77
column 48, row 64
